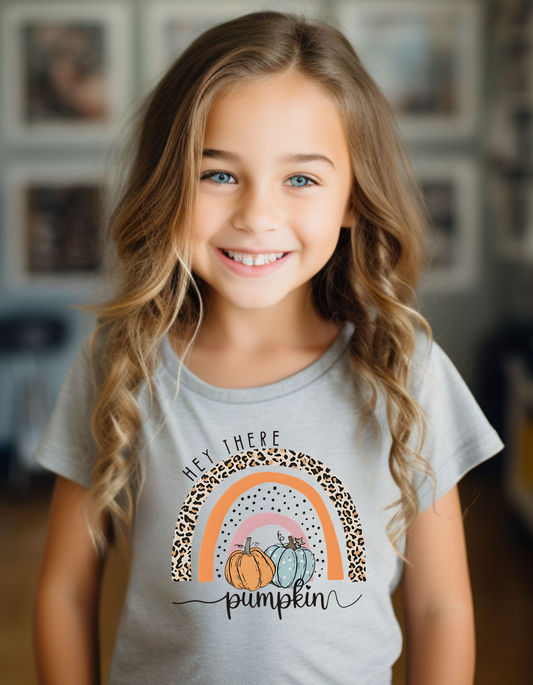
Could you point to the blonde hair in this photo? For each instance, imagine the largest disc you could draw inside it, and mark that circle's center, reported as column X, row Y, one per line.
column 369, row 279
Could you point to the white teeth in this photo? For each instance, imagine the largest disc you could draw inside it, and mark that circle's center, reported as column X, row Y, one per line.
column 253, row 260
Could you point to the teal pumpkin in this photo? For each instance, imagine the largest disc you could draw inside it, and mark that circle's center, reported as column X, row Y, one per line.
column 292, row 562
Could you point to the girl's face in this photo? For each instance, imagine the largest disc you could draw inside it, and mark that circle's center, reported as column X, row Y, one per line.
column 254, row 199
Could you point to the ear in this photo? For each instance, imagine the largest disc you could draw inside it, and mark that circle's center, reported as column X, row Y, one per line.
column 349, row 214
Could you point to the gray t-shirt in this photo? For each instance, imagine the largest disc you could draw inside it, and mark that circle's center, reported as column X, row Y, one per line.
column 259, row 547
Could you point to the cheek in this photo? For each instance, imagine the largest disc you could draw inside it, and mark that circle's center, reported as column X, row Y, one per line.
column 204, row 222
column 319, row 227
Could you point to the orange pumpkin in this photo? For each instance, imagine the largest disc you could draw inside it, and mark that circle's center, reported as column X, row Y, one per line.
column 249, row 569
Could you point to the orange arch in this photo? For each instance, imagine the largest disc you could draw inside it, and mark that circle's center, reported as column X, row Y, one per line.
column 221, row 508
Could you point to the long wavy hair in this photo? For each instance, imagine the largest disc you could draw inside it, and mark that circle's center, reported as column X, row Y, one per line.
column 369, row 279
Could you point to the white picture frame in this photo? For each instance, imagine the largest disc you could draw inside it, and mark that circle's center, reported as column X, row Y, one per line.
column 47, row 253
column 164, row 39
column 46, row 46
column 426, row 56
column 452, row 194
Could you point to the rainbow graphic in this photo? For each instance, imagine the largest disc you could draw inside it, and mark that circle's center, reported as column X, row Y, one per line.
column 284, row 470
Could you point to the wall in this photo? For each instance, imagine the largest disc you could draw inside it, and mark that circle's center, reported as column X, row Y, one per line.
column 459, row 321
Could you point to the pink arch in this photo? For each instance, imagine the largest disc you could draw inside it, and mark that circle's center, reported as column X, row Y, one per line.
column 250, row 524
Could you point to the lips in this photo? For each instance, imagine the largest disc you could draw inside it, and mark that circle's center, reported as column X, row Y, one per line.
column 251, row 271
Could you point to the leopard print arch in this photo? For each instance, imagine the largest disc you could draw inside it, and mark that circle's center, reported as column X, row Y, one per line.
column 186, row 523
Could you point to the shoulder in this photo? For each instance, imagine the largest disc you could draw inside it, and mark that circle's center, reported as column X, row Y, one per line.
column 430, row 365
column 93, row 353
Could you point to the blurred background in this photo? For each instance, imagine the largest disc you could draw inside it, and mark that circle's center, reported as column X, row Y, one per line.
column 459, row 75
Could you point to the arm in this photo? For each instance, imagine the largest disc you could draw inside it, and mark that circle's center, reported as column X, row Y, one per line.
column 65, row 618
column 439, row 613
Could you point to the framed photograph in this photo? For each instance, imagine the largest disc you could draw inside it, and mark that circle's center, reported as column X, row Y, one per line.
column 508, row 13
column 512, row 199
column 451, row 193
column 426, row 58
column 68, row 71
column 171, row 26
column 54, row 242
column 514, row 68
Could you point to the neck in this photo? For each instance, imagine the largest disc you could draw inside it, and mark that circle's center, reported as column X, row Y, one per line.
column 291, row 323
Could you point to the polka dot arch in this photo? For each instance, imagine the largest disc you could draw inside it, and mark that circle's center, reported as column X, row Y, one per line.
column 278, row 457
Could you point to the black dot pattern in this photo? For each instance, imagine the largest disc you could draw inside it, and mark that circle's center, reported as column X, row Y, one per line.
column 280, row 499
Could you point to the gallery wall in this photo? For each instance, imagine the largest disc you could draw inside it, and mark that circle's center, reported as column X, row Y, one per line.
column 433, row 59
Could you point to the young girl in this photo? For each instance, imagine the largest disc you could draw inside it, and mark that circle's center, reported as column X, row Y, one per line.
column 261, row 412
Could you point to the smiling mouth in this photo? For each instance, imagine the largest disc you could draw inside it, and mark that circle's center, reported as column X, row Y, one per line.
column 254, row 259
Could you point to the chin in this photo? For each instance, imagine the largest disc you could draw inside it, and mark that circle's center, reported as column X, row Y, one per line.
column 253, row 300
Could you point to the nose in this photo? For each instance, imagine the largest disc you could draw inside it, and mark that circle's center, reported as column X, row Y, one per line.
column 258, row 209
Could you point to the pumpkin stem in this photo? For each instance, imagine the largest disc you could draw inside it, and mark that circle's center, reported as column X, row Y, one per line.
column 290, row 544
column 247, row 546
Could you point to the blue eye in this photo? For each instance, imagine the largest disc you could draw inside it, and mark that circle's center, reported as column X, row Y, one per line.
column 213, row 174
column 306, row 178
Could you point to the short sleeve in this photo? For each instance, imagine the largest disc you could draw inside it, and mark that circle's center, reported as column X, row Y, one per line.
column 67, row 446
column 459, row 435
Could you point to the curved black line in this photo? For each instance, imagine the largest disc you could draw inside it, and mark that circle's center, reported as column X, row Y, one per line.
column 334, row 592
column 201, row 601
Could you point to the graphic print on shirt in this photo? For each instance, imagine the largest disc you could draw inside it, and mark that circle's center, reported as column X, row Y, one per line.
column 279, row 562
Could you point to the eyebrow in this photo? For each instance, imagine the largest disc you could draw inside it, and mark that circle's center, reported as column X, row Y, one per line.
column 212, row 153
